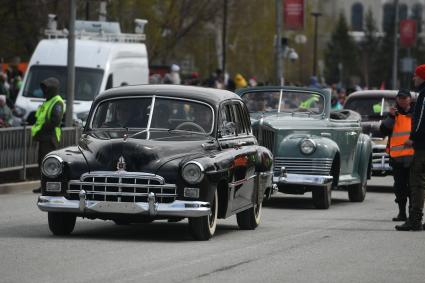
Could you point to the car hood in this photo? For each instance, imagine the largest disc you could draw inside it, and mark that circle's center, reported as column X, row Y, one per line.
column 289, row 122
column 140, row 155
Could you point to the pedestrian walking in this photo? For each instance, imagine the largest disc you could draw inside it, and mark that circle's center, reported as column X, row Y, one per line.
column 6, row 118
column 397, row 127
column 46, row 130
column 417, row 171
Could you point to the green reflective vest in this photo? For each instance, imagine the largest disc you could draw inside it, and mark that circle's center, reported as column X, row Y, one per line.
column 309, row 102
column 44, row 110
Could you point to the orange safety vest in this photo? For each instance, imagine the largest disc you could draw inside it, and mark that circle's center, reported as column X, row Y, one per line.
column 401, row 133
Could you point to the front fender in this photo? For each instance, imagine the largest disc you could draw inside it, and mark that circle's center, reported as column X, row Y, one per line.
column 363, row 156
column 290, row 147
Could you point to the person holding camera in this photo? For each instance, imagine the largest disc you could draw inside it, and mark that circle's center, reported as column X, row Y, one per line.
column 397, row 127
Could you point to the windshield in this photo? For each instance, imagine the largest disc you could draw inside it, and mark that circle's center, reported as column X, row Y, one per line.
column 87, row 81
column 284, row 101
column 168, row 114
column 370, row 106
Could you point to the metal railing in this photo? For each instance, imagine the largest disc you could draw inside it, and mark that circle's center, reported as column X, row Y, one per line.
column 18, row 151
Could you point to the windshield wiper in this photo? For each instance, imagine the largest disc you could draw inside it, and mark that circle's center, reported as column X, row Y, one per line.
column 186, row 131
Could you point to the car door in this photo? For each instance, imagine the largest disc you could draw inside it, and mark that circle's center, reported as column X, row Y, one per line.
column 346, row 133
column 237, row 141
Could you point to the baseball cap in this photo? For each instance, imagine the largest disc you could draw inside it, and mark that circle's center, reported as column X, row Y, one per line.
column 403, row 93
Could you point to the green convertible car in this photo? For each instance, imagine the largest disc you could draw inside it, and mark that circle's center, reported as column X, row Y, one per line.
column 315, row 149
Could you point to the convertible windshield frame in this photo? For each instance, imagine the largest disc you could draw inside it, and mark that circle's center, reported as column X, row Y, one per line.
column 154, row 99
column 281, row 92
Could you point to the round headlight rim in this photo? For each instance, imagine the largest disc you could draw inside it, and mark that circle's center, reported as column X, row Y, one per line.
column 201, row 168
column 58, row 158
column 312, row 142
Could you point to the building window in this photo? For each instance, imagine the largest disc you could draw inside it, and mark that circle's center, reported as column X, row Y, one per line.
column 388, row 21
column 417, row 11
column 402, row 11
column 357, row 17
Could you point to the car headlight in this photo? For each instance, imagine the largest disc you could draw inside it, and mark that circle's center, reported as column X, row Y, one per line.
column 308, row 146
column 193, row 172
column 52, row 166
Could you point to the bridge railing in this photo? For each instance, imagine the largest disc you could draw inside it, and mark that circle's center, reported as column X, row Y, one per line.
column 18, row 151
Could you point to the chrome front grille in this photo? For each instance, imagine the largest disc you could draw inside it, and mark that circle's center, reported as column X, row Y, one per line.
column 380, row 157
column 267, row 138
column 304, row 166
column 122, row 186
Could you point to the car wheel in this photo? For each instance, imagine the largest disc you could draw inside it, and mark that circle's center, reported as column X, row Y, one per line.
column 357, row 192
column 322, row 197
column 203, row 228
column 249, row 219
column 61, row 224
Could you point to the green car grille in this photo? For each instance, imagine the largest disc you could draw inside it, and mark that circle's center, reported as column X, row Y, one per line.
column 267, row 139
column 304, row 166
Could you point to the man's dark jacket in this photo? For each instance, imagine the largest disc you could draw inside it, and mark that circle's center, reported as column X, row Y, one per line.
column 418, row 129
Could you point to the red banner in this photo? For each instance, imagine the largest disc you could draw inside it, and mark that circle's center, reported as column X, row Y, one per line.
column 293, row 14
column 407, row 33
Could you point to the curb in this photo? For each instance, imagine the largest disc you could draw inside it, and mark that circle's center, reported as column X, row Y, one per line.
column 19, row 186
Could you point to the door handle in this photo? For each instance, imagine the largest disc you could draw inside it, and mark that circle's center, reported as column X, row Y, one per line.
column 325, row 135
column 351, row 133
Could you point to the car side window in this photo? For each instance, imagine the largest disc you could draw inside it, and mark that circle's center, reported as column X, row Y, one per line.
column 241, row 128
column 227, row 125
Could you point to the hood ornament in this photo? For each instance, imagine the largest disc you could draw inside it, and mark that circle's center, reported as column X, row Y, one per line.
column 121, row 164
column 125, row 137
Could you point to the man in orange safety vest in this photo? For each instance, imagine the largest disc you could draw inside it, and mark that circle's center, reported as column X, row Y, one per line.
column 397, row 126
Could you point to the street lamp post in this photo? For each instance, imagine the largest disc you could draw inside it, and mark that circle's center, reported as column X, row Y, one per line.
column 71, row 65
column 223, row 64
column 395, row 54
column 316, row 16
column 278, row 45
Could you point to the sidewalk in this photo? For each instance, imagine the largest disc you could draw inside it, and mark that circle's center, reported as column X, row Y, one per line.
column 19, row 186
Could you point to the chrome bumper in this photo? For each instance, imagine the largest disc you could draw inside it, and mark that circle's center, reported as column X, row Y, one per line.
column 176, row 208
column 303, row 180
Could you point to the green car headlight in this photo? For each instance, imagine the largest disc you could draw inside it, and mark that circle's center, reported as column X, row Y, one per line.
column 193, row 172
column 52, row 166
column 308, row 146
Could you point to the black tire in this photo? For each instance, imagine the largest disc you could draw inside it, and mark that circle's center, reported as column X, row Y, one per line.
column 249, row 219
column 61, row 224
column 322, row 197
column 121, row 222
column 357, row 192
column 203, row 228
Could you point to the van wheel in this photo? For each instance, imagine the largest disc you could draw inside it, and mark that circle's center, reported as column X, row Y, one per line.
column 249, row 219
column 61, row 224
column 322, row 197
column 203, row 228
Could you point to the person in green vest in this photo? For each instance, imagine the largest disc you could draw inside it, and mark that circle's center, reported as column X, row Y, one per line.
column 46, row 130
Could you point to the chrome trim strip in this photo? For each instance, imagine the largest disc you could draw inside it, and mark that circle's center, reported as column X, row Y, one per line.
column 123, row 185
column 121, row 194
column 300, row 179
column 240, row 182
column 176, row 208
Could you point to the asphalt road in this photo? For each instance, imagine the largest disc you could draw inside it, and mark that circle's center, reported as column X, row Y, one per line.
column 350, row 242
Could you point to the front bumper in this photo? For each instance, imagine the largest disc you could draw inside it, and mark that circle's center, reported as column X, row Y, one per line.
column 151, row 208
column 303, row 180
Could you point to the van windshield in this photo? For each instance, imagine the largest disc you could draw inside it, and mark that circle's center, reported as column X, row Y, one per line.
column 87, row 81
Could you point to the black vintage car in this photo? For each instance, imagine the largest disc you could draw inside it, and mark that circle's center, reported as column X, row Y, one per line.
column 160, row 152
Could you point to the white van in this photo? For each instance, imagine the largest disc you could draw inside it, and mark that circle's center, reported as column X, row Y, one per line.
column 104, row 58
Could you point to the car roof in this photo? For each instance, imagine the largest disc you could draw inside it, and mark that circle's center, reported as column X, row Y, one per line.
column 376, row 93
column 209, row 95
